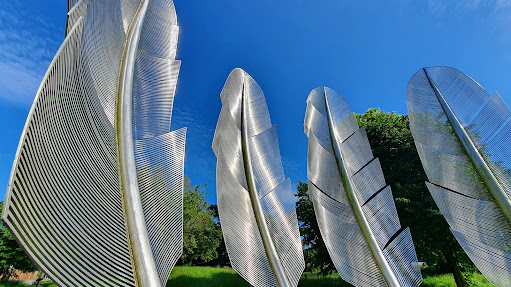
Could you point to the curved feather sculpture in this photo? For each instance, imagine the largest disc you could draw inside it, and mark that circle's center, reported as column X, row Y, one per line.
column 354, row 207
column 255, row 201
column 95, row 194
column 463, row 137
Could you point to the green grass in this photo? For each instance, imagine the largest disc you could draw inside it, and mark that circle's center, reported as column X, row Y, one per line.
column 444, row 280
column 311, row 280
column 182, row 276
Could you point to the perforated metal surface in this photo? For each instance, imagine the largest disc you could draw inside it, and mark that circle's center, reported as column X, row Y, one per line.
column 244, row 117
column 64, row 202
column 463, row 189
column 355, row 211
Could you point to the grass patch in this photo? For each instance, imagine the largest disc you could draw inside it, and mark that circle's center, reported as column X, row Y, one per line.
column 312, row 280
column 447, row 280
column 444, row 280
column 11, row 284
column 182, row 276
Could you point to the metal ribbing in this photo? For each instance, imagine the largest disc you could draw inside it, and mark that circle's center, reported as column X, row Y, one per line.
column 356, row 214
column 159, row 153
column 260, row 185
column 59, row 185
column 456, row 185
column 160, row 170
column 64, row 202
column 144, row 265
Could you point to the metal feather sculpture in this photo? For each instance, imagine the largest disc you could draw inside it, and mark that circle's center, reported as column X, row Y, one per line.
column 95, row 194
column 354, row 208
column 255, row 200
column 463, row 136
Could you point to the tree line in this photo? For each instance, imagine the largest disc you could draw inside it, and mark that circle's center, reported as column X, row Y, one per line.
column 392, row 142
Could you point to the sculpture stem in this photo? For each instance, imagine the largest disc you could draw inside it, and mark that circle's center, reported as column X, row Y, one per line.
column 269, row 247
column 145, row 272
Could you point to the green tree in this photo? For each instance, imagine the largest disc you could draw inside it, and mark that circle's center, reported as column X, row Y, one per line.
column 316, row 255
column 223, row 256
column 392, row 142
column 11, row 254
column 201, row 235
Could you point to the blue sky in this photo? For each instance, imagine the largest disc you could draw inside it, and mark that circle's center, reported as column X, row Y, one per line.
column 366, row 50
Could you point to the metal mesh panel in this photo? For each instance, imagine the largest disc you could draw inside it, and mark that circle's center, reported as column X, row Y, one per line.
column 227, row 141
column 266, row 162
column 477, row 219
column 160, row 31
column 71, row 4
column 342, row 116
column 231, row 94
column 257, row 115
column 322, row 170
column 153, row 95
column 356, row 151
column 492, row 116
column 346, row 244
column 356, row 214
column 128, row 9
column 368, row 181
column 160, row 169
column 245, row 239
column 102, row 44
column 493, row 263
column 74, row 14
column 242, row 239
column 156, row 70
column 401, row 250
column 316, row 124
column 453, row 172
column 381, row 215
column 456, row 87
column 280, row 215
column 59, row 190
column 456, row 185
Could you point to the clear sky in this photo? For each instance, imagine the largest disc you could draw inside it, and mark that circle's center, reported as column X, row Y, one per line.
column 366, row 50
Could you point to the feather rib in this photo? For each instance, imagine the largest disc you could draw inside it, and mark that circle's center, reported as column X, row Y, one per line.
column 469, row 175
column 355, row 211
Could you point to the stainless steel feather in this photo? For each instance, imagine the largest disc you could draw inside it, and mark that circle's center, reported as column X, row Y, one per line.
column 354, row 207
column 463, row 137
column 95, row 194
column 255, row 200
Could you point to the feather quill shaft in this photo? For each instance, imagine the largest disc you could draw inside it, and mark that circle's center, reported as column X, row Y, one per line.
column 477, row 159
column 382, row 263
column 355, row 211
column 269, row 247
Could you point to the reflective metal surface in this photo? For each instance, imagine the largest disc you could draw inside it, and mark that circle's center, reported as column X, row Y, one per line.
column 64, row 203
column 354, row 207
column 255, row 201
column 462, row 136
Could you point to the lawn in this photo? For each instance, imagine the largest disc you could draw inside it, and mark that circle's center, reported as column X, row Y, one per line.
column 182, row 276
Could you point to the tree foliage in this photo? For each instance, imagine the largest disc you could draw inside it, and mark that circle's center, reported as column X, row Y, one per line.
column 223, row 256
column 201, row 234
column 11, row 254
